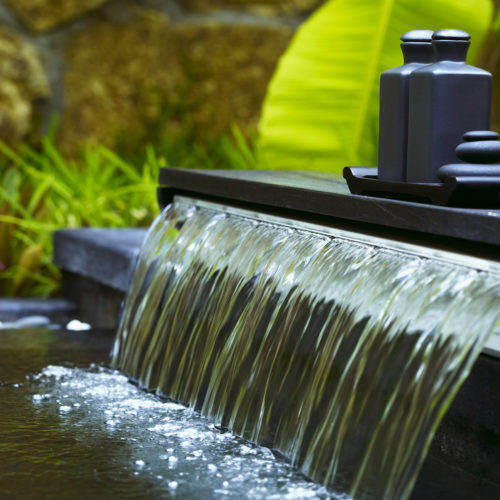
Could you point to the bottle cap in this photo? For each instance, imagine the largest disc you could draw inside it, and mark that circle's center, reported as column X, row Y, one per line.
column 450, row 34
column 417, row 36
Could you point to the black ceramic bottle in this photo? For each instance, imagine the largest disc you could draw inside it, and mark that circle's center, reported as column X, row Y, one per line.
column 446, row 99
column 393, row 119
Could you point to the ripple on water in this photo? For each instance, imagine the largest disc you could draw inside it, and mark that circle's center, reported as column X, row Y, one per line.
column 170, row 447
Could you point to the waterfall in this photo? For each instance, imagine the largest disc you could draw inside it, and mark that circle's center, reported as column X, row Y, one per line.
column 341, row 355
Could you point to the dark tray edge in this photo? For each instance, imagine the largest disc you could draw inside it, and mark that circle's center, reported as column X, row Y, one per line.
column 454, row 191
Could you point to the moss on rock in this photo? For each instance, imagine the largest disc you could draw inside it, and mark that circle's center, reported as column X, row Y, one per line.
column 42, row 15
column 265, row 7
column 123, row 77
column 23, row 86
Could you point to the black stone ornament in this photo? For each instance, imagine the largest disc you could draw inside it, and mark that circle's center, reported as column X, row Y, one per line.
column 479, row 151
column 468, row 170
column 480, row 135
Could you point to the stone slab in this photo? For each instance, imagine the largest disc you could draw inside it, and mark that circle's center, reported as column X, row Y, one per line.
column 104, row 255
column 326, row 195
column 57, row 310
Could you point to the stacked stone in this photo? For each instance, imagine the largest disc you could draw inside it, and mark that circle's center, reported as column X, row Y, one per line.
column 117, row 66
column 480, row 153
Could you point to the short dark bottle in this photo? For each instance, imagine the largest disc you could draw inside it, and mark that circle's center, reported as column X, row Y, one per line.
column 393, row 120
column 446, row 99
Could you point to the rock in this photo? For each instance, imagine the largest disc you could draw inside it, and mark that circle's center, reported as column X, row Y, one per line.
column 264, row 7
column 468, row 170
column 43, row 15
column 23, row 86
column 137, row 77
column 479, row 151
column 480, row 135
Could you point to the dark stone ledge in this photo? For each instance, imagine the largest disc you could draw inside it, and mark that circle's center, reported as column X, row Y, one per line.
column 57, row 310
column 97, row 266
column 104, row 255
column 324, row 195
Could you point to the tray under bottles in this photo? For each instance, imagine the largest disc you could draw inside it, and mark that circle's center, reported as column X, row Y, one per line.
column 454, row 191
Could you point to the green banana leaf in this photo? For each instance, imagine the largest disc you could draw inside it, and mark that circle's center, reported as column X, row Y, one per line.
column 321, row 109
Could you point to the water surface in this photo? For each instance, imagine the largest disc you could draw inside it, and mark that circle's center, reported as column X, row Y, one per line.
column 72, row 428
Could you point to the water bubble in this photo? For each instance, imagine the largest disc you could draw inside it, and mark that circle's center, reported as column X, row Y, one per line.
column 212, row 467
column 37, row 398
column 173, row 485
column 267, row 453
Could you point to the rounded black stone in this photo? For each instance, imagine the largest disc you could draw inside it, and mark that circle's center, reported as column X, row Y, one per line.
column 468, row 170
column 480, row 135
column 479, row 151
column 451, row 34
column 417, row 36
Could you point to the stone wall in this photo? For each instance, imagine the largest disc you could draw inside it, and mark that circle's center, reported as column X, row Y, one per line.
column 114, row 68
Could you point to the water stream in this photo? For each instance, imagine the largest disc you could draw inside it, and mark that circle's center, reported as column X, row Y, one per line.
column 340, row 355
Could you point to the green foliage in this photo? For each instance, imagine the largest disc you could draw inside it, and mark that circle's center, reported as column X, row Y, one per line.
column 223, row 152
column 177, row 137
column 321, row 110
column 41, row 192
column 496, row 24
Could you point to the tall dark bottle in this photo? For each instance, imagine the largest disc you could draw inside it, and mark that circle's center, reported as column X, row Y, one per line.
column 394, row 90
column 447, row 98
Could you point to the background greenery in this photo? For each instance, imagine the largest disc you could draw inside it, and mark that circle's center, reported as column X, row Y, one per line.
column 321, row 109
column 41, row 191
column 321, row 112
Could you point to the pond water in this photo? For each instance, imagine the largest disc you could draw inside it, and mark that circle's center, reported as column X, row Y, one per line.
column 70, row 427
